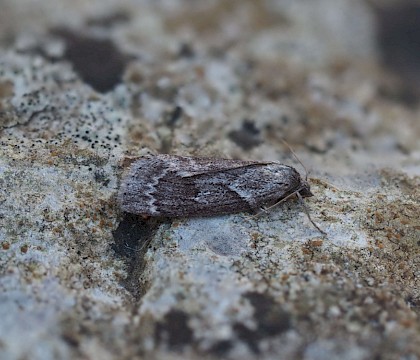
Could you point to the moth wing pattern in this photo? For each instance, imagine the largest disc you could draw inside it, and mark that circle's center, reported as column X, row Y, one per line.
column 189, row 166
column 176, row 186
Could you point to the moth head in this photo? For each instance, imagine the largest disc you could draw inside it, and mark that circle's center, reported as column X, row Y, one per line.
column 305, row 189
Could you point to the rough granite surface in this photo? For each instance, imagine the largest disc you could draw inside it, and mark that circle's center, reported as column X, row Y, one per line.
column 87, row 86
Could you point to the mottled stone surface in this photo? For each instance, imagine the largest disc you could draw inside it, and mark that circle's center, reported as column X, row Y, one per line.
column 86, row 86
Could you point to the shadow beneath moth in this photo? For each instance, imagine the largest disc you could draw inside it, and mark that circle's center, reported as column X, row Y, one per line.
column 180, row 186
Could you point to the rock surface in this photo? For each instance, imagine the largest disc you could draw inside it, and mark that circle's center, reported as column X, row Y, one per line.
column 86, row 86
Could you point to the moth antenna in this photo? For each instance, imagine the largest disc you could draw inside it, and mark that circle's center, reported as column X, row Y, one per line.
column 308, row 215
column 296, row 157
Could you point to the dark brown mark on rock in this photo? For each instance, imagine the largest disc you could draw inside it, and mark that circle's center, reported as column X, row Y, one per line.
column 270, row 317
column 97, row 61
column 174, row 115
column 398, row 35
column 109, row 20
column 221, row 348
column 186, row 51
column 174, row 330
column 247, row 137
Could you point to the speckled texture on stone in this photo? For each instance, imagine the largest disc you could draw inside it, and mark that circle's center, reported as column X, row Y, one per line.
column 86, row 86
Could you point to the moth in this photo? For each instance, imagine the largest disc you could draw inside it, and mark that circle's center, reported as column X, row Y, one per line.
column 181, row 186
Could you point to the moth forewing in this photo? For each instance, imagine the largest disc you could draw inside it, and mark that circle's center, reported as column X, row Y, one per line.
column 179, row 186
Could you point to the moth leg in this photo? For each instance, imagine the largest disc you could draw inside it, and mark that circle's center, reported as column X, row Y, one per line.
column 262, row 209
column 308, row 215
column 257, row 212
